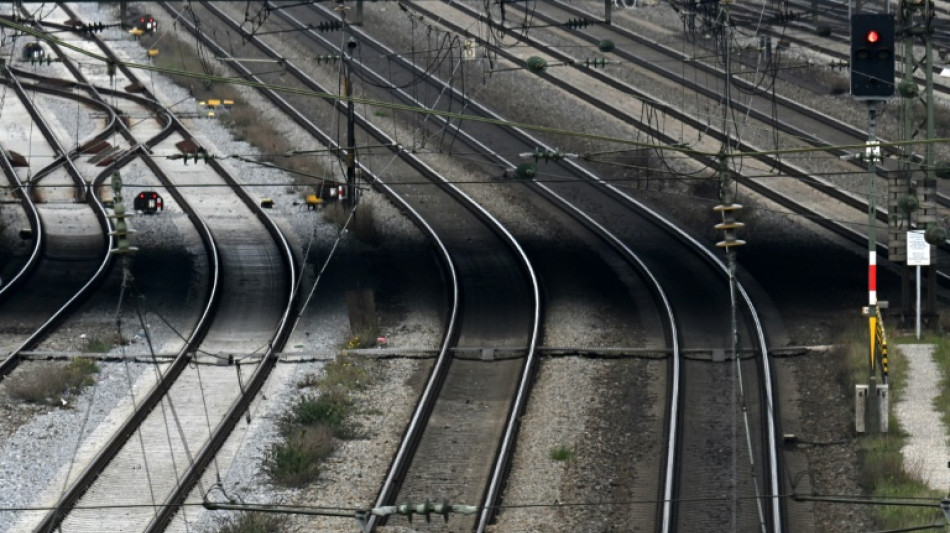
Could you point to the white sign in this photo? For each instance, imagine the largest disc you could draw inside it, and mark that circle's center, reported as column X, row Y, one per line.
column 918, row 251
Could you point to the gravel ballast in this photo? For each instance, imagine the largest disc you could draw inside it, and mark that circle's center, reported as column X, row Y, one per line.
column 566, row 407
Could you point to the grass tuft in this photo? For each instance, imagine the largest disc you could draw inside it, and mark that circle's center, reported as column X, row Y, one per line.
column 561, row 453
column 252, row 522
column 296, row 461
column 330, row 409
column 53, row 384
column 314, row 423
column 347, row 372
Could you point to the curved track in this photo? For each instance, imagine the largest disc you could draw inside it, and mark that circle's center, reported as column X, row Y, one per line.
column 498, row 310
column 665, row 239
column 246, row 315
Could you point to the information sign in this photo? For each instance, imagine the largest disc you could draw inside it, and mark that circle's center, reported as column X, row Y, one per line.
column 918, row 250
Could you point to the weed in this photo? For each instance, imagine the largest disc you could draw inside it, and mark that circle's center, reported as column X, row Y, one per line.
column 561, row 452
column 346, row 372
column 53, row 384
column 329, row 409
column 851, row 358
column 364, row 224
column 885, row 476
column 253, row 522
column 942, row 358
column 314, row 421
column 296, row 461
column 96, row 345
column 310, row 381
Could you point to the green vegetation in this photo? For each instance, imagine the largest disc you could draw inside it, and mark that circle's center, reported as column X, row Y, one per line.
column 347, row 372
column 53, row 384
column 295, row 462
column 884, row 475
column 99, row 345
column 561, row 452
column 942, row 358
column 330, row 410
column 253, row 522
column 315, row 423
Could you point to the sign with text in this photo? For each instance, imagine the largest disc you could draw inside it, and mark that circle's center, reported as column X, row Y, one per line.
column 918, row 250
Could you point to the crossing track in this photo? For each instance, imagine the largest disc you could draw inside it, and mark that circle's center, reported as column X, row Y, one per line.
column 237, row 314
column 700, row 333
column 40, row 294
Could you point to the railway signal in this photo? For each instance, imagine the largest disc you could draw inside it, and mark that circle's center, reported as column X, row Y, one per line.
column 872, row 56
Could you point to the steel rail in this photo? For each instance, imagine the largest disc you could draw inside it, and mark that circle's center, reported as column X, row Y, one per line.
column 11, row 361
column 493, row 493
column 104, row 456
column 489, row 502
column 204, row 456
column 426, row 402
column 762, row 189
column 696, row 246
column 401, row 461
column 36, row 226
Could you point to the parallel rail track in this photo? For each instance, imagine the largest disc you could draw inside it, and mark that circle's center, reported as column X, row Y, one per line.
column 96, row 469
column 489, row 500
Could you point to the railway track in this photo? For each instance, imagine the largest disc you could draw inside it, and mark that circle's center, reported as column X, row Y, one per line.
column 793, row 27
column 699, row 372
column 70, row 237
column 798, row 121
column 249, row 252
column 498, row 311
column 385, row 53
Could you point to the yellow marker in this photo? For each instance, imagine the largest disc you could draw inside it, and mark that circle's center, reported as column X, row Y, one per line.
column 872, row 323
column 214, row 103
column 882, row 341
column 152, row 52
column 136, row 32
column 228, row 103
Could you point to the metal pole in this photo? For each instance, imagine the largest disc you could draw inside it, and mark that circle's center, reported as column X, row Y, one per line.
column 917, row 323
column 874, row 413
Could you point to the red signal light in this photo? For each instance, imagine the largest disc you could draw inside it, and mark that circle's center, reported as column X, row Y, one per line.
column 873, row 36
column 141, row 195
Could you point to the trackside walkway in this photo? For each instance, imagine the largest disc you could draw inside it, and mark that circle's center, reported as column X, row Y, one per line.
column 926, row 451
